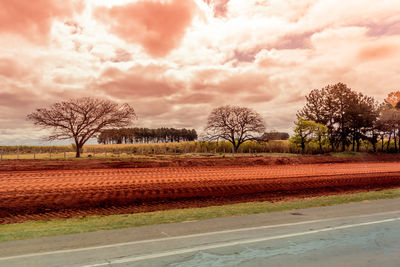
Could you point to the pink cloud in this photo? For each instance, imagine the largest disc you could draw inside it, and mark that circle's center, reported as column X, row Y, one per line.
column 262, row 54
column 258, row 98
column 157, row 26
column 377, row 52
column 232, row 82
column 220, row 7
column 390, row 28
column 121, row 55
column 33, row 20
column 195, row 98
column 139, row 81
column 75, row 28
column 11, row 69
column 294, row 41
column 16, row 99
column 295, row 97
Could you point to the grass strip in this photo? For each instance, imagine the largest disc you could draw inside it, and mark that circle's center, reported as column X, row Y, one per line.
column 34, row 229
column 123, row 156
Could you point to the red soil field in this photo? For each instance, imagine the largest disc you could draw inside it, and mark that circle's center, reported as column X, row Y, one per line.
column 31, row 195
column 98, row 163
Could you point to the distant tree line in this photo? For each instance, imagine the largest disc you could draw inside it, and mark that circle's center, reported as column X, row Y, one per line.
column 337, row 118
column 274, row 135
column 145, row 135
column 333, row 118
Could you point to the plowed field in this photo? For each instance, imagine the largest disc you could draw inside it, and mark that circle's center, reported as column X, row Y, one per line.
column 29, row 195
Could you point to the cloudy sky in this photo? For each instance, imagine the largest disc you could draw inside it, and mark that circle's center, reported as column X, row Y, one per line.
column 175, row 60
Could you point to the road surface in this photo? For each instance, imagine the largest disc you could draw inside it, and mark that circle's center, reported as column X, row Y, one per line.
column 358, row 234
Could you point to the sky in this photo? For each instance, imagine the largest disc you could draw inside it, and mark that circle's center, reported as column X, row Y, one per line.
column 176, row 60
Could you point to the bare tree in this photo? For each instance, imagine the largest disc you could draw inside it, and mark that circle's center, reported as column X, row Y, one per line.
column 234, row 124
column 81, row 118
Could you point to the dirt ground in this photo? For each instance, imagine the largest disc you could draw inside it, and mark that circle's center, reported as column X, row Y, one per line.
column 45, row 194
column 30, row 165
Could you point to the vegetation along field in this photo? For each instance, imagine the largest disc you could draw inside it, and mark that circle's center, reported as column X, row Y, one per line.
column 352, row 147
column 123, row 113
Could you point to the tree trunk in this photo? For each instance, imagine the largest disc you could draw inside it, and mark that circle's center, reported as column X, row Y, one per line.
column 233, row 145
column 303, row 146
column 236, row 147
column 78, row 149
column 398, row 134
column 320, row 144
column 332, row 144
column 343, row 144
column 388, row 144
column 78, row 152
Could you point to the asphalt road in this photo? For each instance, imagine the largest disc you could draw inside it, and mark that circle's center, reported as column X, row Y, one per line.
column 359, row 234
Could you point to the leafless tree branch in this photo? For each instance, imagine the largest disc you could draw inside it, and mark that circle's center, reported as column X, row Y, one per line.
column 81, row 118
column 234, row 124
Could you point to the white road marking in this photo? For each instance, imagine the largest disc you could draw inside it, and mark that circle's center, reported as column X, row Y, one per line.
column 39, row 254
column 232, row 243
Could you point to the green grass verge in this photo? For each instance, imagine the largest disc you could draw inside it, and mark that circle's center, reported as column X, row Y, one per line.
column 348, row 154
column 34, row 229
column 85, row 156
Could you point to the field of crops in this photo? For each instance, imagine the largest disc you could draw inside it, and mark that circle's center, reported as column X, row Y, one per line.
column 188, row 149
column 179, row 149
column 31, row 195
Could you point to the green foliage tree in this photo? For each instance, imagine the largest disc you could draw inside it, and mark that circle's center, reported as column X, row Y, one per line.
column 389, row 119
column 362, row 116
column 307, row 131
column 348, row 115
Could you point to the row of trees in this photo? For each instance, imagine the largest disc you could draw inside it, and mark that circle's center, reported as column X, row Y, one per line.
column 333, row 116
column 83, row 118
column 145, row 135
column 342, row 118
column 274, row 135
